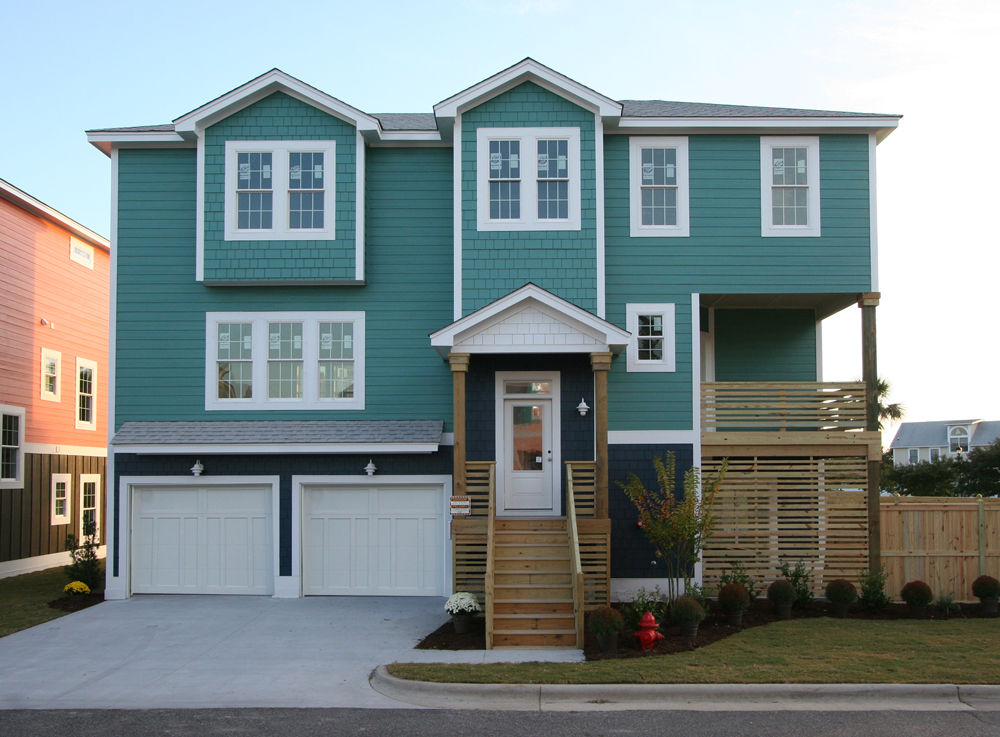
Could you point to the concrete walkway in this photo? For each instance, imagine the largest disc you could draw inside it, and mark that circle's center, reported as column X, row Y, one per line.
column 220, row 651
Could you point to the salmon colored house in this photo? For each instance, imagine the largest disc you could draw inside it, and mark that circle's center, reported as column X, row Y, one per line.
column 54, row 282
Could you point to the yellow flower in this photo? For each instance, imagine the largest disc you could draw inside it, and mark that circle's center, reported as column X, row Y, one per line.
column 76, row 588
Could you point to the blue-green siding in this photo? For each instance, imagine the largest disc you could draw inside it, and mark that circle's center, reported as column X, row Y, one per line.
column 765, row 345
column 280, row 117
column 496, row 263
column 725, row 254
column 160, row 360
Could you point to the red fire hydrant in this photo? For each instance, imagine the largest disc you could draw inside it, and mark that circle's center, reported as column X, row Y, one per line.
column 647, row 636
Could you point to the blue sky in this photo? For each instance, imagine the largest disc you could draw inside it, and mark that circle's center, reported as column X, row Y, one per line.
column 74, row 66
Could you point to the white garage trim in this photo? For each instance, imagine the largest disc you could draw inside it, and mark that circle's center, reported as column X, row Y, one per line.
column 301, row 483
column 123, row 584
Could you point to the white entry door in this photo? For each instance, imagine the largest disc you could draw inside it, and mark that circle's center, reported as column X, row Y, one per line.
column 528, row 453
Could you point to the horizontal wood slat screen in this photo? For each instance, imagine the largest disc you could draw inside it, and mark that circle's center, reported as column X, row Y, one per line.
column 584, row 477
column 468, row 550
column 595, row 559
column 781, row 406
column 479, row 480
column 770, row 511
column 945, row 542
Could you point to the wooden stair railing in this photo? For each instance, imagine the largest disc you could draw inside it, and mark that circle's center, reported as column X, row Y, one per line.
column 574, row 551
column 490, row 561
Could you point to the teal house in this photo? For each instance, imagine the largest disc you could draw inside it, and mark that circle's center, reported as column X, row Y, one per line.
column 415, row 353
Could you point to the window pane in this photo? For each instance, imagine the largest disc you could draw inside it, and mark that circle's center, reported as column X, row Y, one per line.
column 284, row 379
column 336, row 340
column 505, row 159
column 336, row 379
column 254, row 170
column 789, row 166
column 659, row 166
column 527, row 387
column 553, row 200
column 235, row 379
column 553, row 159
column 659, row 206
column 284, row 340
column 527, row 431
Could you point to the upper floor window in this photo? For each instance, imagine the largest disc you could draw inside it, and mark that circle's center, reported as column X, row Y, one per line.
column 658, row 186
column 51, row 362
column 789, row 186
column 528, row 178
column 651, row 345
column 86, row 394
column 958, row 440
column 280, row 190
column 11, row 447
column 914, row 455
column 285, row 360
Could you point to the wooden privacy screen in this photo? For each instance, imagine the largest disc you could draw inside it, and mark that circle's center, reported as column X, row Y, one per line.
column 777, row 406
column 946, row 542
column 770, row 511
column 468, row 555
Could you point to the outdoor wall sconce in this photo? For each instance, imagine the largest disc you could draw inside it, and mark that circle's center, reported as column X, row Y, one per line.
column 370, row 468
column 582, row 407
column 197, row 468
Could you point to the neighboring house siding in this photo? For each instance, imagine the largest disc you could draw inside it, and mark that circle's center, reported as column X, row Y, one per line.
column 765, row 345
column 409, row 263
column 282, row 118
column 495, row 263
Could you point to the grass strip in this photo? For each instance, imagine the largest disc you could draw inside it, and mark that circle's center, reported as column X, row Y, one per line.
column 798, row 651
column 24, row 599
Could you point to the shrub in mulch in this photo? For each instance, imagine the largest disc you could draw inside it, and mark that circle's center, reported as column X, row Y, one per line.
column 76, row 602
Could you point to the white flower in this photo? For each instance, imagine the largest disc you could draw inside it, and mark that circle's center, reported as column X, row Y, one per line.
column 462, row 603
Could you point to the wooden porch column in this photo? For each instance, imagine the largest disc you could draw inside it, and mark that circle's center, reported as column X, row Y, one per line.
column 869, row 371
column 459, row 363
column 601, row 363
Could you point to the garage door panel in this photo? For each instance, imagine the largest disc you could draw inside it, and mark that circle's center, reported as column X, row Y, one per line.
column 212, row 540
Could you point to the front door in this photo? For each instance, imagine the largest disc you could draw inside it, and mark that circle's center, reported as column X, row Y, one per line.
column 528, row 439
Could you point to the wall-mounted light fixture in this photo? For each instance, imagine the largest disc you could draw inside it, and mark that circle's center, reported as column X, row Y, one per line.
column 370, row 468
column 197, row 468
column 582, row 407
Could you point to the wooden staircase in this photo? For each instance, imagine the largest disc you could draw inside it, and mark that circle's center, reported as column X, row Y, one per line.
column 532, row 601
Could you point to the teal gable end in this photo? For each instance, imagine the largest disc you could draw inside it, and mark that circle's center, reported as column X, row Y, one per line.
column 280, row 117
column 496, row 263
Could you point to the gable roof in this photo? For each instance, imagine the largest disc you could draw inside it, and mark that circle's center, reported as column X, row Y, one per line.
column 669, row 109
column 38, row 208
column 932, row 434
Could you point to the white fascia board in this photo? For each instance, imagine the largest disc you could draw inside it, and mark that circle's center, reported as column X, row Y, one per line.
column 52, row 449
column 264, row 85
column 36, row 207
column 275, row 448
column 872, row 211
column 883, row 125
column 529, row 70
column 422, row 136
column 359, row 207
column 104, row 140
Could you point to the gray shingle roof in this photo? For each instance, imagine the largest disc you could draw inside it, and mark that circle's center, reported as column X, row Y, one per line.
column 165, row 128
column 407, row 121
column 669, row 109
column 279, row 431
column 930, row 434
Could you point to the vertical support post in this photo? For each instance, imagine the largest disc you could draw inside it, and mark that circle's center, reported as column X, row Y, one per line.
column 869, row 367
column 459, row 363
column 601, row 363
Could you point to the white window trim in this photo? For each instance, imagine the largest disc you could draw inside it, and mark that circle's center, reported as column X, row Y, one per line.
column 667, row 311
column 637, row 229
column 66, row 478
column 92, row 365
column 279, row 230
column 528, row 138
column 45, row 394
column 310, row 359
column 96, row 479
column 17, row 482
column 80, row 252
column 767, row 229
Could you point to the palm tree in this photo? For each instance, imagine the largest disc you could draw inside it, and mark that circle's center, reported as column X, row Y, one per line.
column 892, row 412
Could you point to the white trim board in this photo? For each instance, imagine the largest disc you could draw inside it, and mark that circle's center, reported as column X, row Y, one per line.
column 273, row 448
column 653, row 437
column 65, row 450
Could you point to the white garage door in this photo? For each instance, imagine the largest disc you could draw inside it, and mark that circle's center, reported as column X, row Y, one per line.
column 381, row 540
column 202, row 540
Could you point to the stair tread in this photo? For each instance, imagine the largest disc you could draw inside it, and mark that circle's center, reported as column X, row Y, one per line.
column 535, row 632
column 530, row 615
column 550, row 600
column 532, row 586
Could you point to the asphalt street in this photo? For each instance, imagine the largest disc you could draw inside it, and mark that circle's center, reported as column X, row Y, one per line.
column 438, row 723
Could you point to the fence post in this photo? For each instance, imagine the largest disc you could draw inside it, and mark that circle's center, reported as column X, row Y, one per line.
column 982, row 536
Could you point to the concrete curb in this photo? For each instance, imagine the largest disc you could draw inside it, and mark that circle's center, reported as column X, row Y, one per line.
column 693, row 697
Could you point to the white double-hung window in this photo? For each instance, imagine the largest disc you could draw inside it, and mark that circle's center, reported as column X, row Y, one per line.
column 528, row 178
column 651, row 345
column 285, row 360
column 658, row 186
column 86, row 394
column 62, row 485
column 789, row 186
column 11, row 447
column 51, row 363
column 280, row 190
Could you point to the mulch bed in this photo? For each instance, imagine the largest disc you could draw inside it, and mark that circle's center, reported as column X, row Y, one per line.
column 713, row 629
column 76, row 603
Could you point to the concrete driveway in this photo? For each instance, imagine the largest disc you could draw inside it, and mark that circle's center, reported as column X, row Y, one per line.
column 214, row 651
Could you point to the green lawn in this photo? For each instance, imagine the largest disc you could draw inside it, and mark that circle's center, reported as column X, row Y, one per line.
column 798, row 651
column 24, row 599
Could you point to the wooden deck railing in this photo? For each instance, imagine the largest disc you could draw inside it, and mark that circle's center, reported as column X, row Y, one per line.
column 782, row 406
column 576, row 568
column 593, row 535
column 480, row 483
column 582, row 477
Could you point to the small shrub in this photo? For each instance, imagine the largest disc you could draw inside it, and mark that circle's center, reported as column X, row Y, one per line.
column 697, row 593
column 606, row 621
column 841, row 591
column 737, row 574
column 645, row 601
column 986, row 587
column 946, row 605
column 85, row 566
column 916, row 593
column 686, row 611
column 76, row 588
column 733, row 597
column 781, row 592
column 873, row 597
column 462, row 602
column 801, row 580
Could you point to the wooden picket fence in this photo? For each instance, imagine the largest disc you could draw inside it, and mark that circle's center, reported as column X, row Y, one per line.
column 946, row 542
